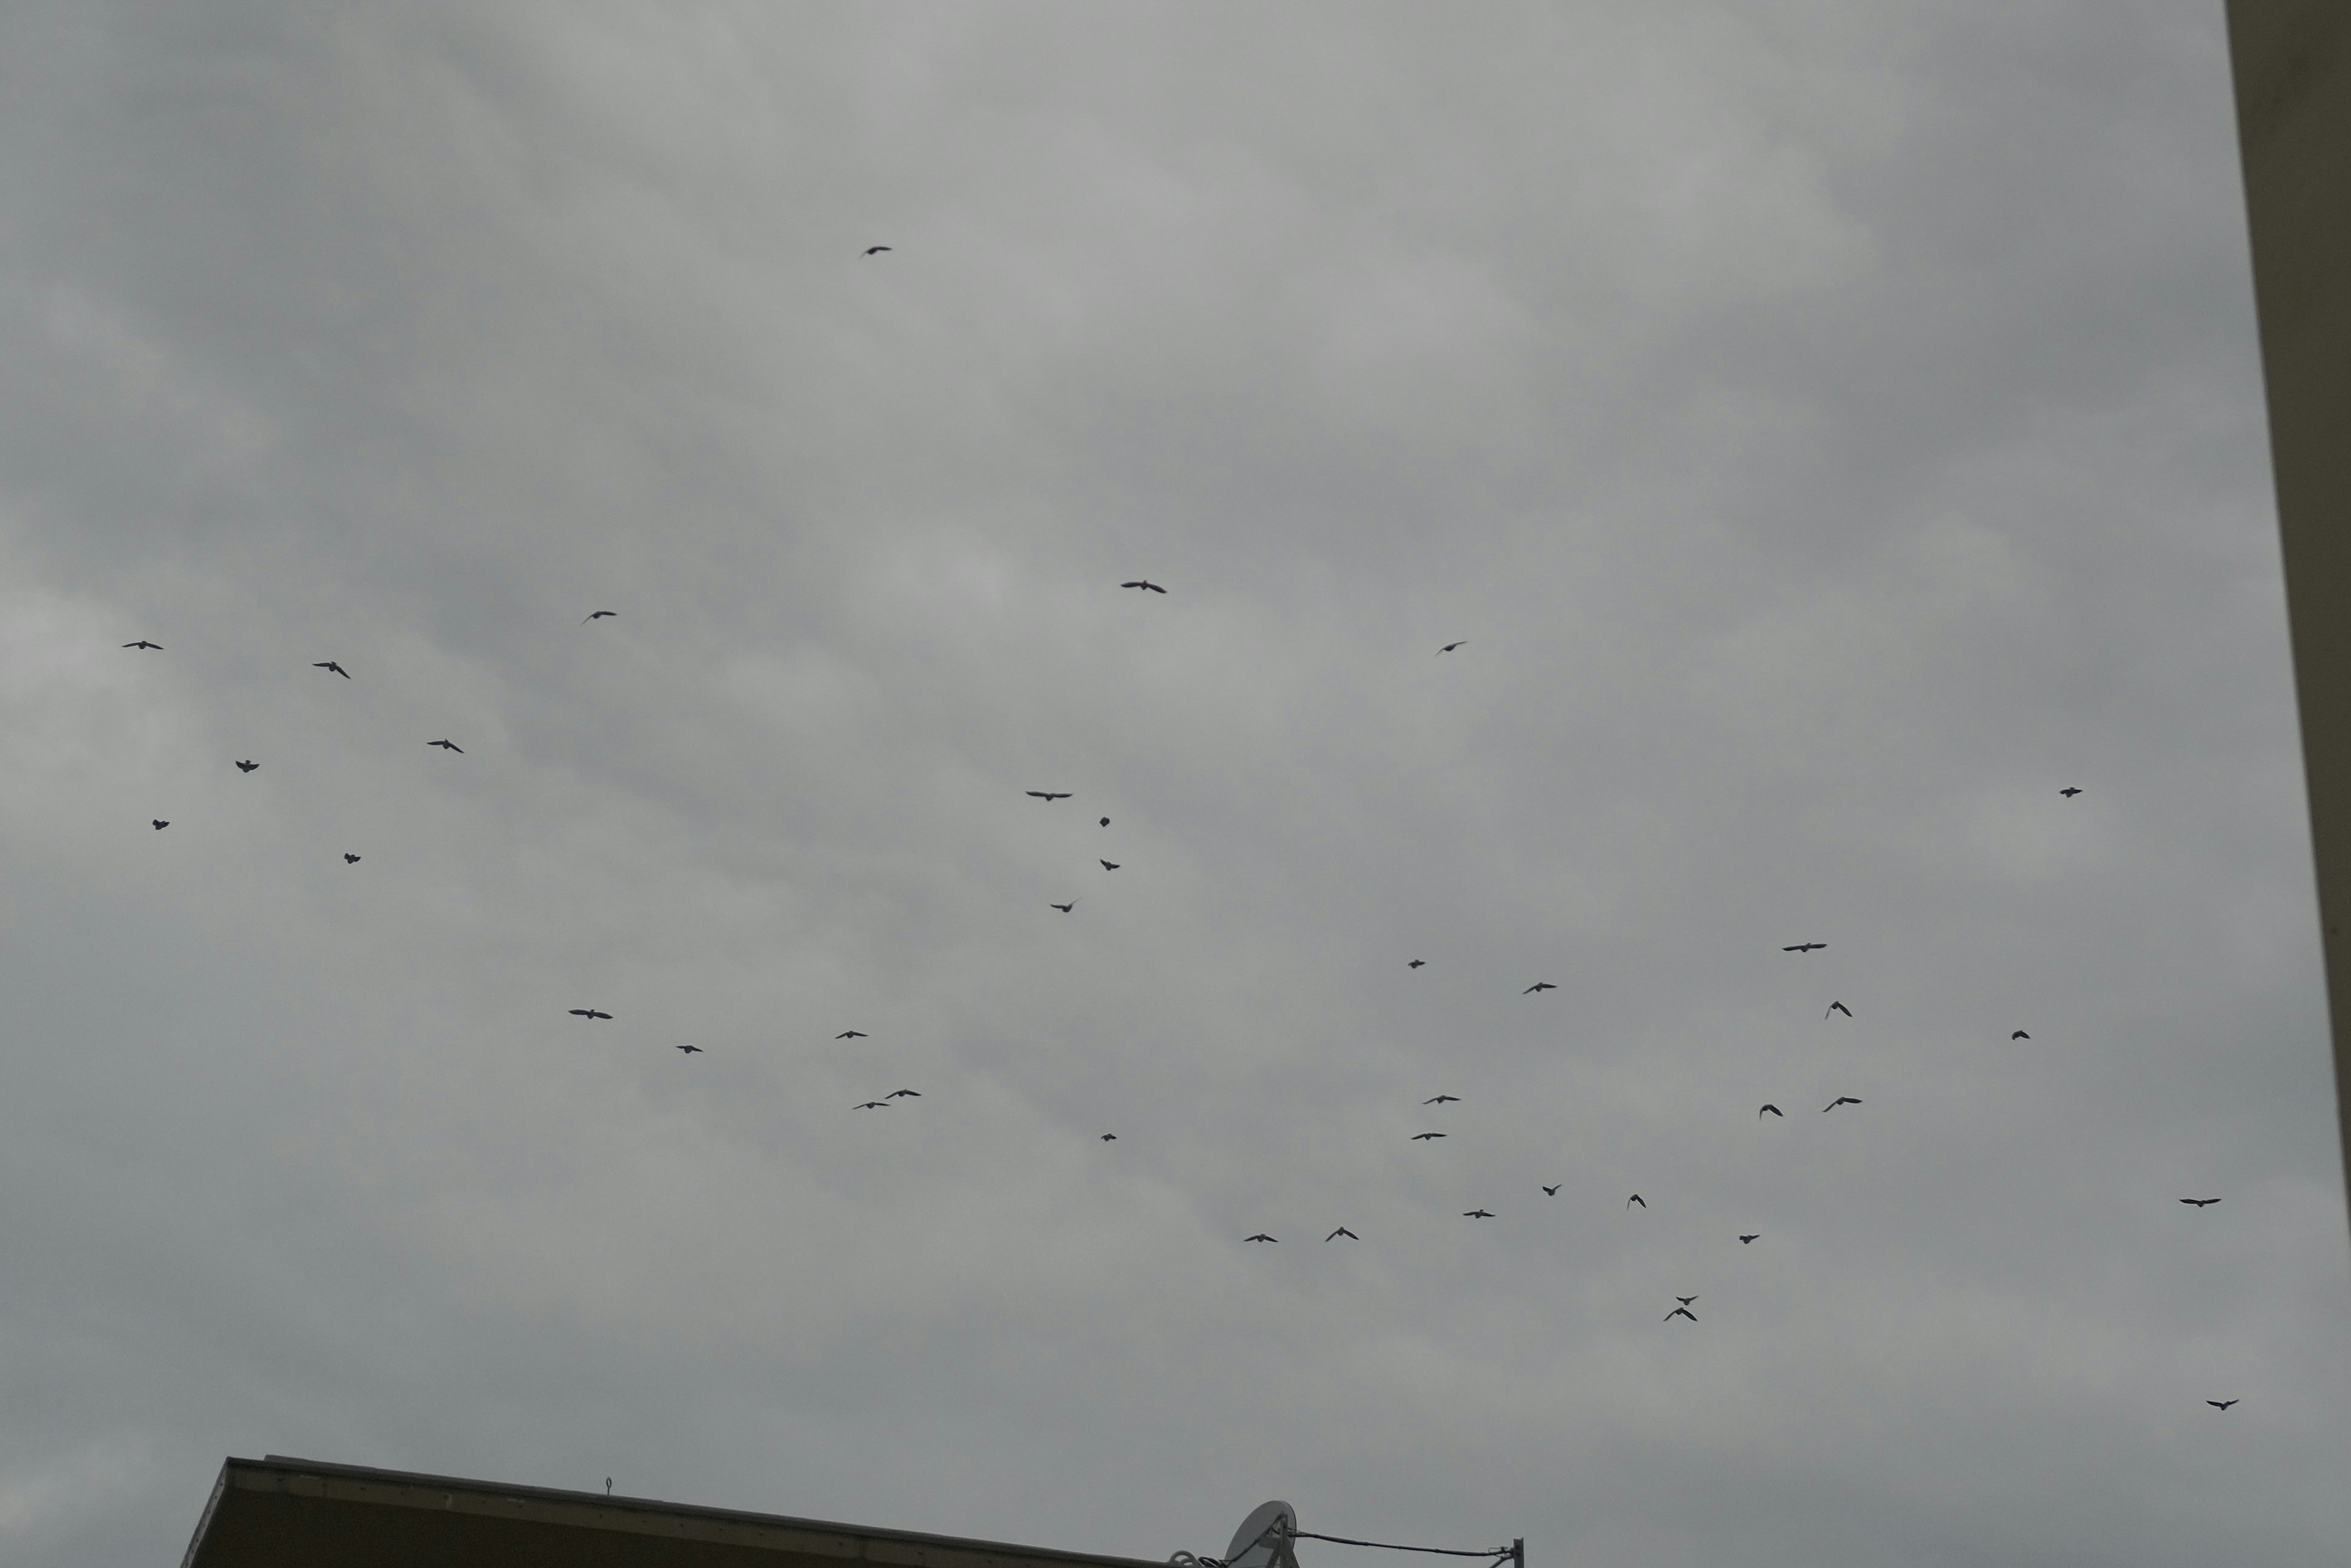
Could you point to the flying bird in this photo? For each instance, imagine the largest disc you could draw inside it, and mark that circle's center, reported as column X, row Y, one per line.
column 691, row 1050
column 1110, row 866
column 904, row 1094
column 1424, row 1137
column 850, row 1034
column 1417, row 964
column 1476, row 1214
column 1774, row 1110
column 246, row 766
column 875, row 249
column 588, row 1013
column 599, row 615
column 350, row 859
column 1450, row 646
column 1636, row 1197
column 2220, row 1404
column 1442, row 1100
column 1049, row 795
column 1840, row 1099
column 1143, row 582
column 1110, row 1137
column 1686, row 1301
column 1838, row 1007
column 142, row 643
column 2200, row 1202
column 2069, row 793
column 447, row 746
column 872, row 1105
column 1745, row 1240
column 1681, row 1312
column 160, row 823
column 2020, row 1034
column 331, row 664
column 1342, row 1231
column 1105, row 821
column 1064, row 908
column 1805, row 948
column 1538, row 986
column 1262, row 1236
column 1552, row 1191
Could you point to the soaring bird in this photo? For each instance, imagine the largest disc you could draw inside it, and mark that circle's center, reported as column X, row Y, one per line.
column 1840, row 1099
column 1450, row 646
column 1064, row 908
column 331, row 664
column 350, row 859
column 1838, row 1007
column 904, row 1094
column 1262, row 1236
column 1805, row 948
column 1049, row 795
column 142, row 643
column 1476, row 1214
column 1424, row 1137
column 2220, row 1404
column 1538, row 986
column 246, row 766
column 1442, row 1100
column 1110, row 866
column 1552, row 1191
column 691, row 1050
column 1686, row 1301
column 1143, row 582
column 1342, row 1231
column 447, row 746
column 588, row 1013
column 1774, row 1110
column 1105, row 821
column 2069, row 793
column 872, row 1105
column 850, row 1034
column 1417, row 964
column 1110, row 1137
column 2200, row 1202
column 1745, row 1240
column 160, row 823
column 1636, row 1197
column 599, row 615
column 875, row 249
column 2020, row 1034
column 1681, row 1312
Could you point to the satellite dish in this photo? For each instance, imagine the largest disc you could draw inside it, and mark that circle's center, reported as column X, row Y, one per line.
column 1263, row 1539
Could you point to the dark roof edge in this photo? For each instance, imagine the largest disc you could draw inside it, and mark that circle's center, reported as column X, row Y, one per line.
column 633, row 1516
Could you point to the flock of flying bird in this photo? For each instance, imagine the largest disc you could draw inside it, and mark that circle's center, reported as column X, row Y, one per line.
column 1683, row 1310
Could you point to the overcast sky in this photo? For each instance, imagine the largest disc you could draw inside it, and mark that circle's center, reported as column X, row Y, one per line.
column 1833, row 425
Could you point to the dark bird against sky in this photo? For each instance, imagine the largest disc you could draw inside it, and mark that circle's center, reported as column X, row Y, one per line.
column 1424, row 1137
column 876, row 250
column 1110, row 1137
column 1636, row 1197
column 1476, row 1214
column 588, row 1013
column 1064, row 908
column 447, row 746
column 872, row 1105
column 160, row 823
column 904, row 1094
column 1417, row 963
column 2200, row 1202
column 1146, row 583
column 1049, row 795
column 350, row 859
column 1681, row 1312
column 1342, row 1231
column 2020, row 1034
column 1442, row 1100
column 142, row 643
column 2220, row 1404
column 1538, row 986
column 2069, row 793
column 246, row 766
column 1450, row 646
column 850, row 1034
column 1840, row 1099
column 1838, row 1007
column 1552, row 1191
column 599, row 615
column 1774, row 1110
column 1262, row 1236
column 1745, row 1240
column 331, row 664
column 1110, row 866
column 691, row 1050
column 1686, row 1301
column 1805, row 948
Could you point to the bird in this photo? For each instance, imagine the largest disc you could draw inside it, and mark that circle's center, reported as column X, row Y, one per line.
column 331, row 664
column 2220, row 1404
column 690, row 1049
column 1342, row 1231
column 2200, row 1202
column 588, row 1013
column 1636, row 1197
column 2069, row 792
column 1476, row 1214
column 1840, row 1099
column 875, row 249
column 904, row 1094
column 1110, row 1137
column 1774, row 1110
column 1838, row 1007
column 1538, row 986
column 1262, row 1236
column 1146, row 583
column 873, row 1105
column 1450, row 646
column 1681, row 1312
column 851, row 1034
column 447, row 746
column 1424, row 1137
column 1064, row 908
column 2020, row 1034
column 160, row 823
column 1049, row 794
column 1417, row 964
column 1105, row 821
column 1686, row 1301
column 142, row 643
column 246, row 766
column 1745, row 1240
column 1552, row 1191
column 599, row 615
column 1805, row 948
column 1110, row 866
column 1442, row 1100
column 350, row 859
column 607, row 1486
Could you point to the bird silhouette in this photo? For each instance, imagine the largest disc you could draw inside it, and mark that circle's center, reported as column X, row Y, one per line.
column 1262, row 1236
column 1805, row 948
column 2200, row 1202
column 1838, row 1007
column 142, row 643
column 1476, row 1214
column 246, row 766
column 2069, row 793
column 1110, row 1137
column 2220, row 1404
column 1049, row 795
column 691, row 1050
column 850, row 1034
column 1342, row 1231
column 1064, row 908
column 1424, row 1137
column 1686, row 1301
column 350, row 859
column 1774, row 1110
column 1636, row 1197
column 1450, row 646
column 1143, row 582
column 1552, row 1191
column 1745, row 1240
column 160, row 823
column 1840, row 1099
column 1110, row 866
column 904, row 1094
column 1442, row 1100
column 1417, row 964
column 872, row 1105
column 875, row 249
column 599, row 615
column 447, row 746
column 2020, row 1034
column 331, row 664
column 1538, row 986
column 588, row 1013
column 1681, row 1312
column 1105, row 822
